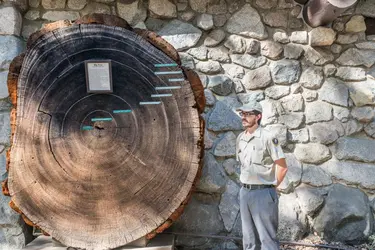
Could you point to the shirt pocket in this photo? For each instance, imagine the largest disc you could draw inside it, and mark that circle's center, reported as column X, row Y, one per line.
column 257, row 156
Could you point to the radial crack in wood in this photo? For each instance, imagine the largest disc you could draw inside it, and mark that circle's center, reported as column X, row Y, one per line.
column 46, row 28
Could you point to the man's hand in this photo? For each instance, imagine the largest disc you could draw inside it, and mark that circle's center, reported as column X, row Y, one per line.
column 281, row 169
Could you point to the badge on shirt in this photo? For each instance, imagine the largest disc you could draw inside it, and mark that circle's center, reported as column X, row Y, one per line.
column 275, row 141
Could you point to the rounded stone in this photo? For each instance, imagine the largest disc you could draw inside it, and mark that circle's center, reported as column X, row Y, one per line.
column 205, row 21
column 10, row 21
column 214, row 38
column 356, row 24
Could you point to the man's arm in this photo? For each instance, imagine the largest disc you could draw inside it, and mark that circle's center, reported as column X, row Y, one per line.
column 281, row 169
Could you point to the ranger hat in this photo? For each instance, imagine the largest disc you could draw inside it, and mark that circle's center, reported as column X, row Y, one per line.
column 251, row 106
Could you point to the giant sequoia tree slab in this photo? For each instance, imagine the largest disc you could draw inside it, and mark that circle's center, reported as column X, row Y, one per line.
column 99, row 170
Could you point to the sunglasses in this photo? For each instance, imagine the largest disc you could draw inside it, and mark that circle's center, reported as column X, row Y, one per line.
column 247, row 113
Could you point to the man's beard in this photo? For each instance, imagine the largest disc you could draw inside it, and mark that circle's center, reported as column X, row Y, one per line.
column 249, row 124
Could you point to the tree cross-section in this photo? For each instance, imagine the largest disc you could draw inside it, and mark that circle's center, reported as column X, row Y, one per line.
column 99, row 170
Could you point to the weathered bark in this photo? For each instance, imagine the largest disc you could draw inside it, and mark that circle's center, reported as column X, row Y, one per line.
column 104, row 19
column 159, row 43
column 197, row 87
column 125, row 178
column 13, row 74
column 4, row 187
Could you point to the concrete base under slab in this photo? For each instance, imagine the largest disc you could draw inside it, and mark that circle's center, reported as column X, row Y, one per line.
column 160, row 242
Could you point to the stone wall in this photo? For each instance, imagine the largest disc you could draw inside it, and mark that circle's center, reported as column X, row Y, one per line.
column 316, row 87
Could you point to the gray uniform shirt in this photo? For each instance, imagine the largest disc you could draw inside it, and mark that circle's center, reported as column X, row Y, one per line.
column 256, row 154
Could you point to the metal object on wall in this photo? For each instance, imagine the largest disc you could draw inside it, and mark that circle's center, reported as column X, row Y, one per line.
column 301, row 1
column 321, row 12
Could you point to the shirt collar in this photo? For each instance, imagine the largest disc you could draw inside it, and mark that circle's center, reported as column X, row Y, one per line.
column 256, row 134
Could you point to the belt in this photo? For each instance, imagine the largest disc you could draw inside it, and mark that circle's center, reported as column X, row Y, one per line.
column 256, row 186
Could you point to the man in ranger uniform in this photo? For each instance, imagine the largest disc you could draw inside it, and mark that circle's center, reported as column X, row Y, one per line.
column 263, row 168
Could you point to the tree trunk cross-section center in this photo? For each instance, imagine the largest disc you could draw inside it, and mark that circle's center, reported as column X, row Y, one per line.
column 99, row 170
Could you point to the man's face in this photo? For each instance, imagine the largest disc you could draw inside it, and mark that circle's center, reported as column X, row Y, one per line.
column 249, row 119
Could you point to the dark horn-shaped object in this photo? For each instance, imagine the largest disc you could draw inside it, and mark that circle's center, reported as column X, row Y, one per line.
column 321, row 12
column 301, row 1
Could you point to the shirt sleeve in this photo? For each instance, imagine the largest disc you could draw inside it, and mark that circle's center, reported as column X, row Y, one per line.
column 274, row 148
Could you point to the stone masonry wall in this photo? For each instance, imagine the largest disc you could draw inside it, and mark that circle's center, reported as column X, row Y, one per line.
column 316, row 86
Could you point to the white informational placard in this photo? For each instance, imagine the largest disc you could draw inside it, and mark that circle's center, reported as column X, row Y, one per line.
column 98, row 76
